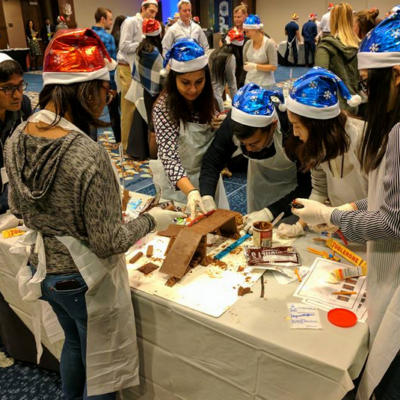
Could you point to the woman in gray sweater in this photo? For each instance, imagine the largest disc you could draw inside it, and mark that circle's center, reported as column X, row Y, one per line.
column 63, row 186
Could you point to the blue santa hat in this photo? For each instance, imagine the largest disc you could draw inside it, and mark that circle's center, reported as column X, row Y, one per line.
column 252, row 106
column 381, row 47
column 252, row 22
column 315, row 95
column 185, row 55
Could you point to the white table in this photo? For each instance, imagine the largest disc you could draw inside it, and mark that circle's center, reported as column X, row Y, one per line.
column 250, row 352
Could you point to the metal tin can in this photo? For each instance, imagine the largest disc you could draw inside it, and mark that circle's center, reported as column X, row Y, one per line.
column 262, row 234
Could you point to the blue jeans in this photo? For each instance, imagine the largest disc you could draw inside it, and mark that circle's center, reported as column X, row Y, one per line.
column 70, row 308
column 389, row 386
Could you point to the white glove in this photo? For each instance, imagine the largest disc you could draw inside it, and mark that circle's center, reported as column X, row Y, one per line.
column 313, row 213
column 286, row 230
column 249, row 66
column 262, row 215
column 194, row 201
column 330, row 227
column 164, row 218
column 209, row 203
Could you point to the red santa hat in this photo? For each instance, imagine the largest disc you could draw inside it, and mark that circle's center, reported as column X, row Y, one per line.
column 330, row 5
column 155, row 2
column 76, row 55
column 234, row 36
column 151, row 27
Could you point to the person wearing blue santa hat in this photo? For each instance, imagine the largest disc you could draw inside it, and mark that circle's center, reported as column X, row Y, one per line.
column 183, row 118
column 327, row 143
column 254, row 127
column 376, row 219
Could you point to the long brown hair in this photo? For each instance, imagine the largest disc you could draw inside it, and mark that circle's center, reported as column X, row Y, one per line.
column 327, row 139
column 79, row 100
column 341, row 24
column 367, row 20
column 379, row 121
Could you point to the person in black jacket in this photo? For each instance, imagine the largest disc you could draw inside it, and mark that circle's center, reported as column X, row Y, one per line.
column 309, row 33
column 47, row 32
column 262, row 133
column 15, row 107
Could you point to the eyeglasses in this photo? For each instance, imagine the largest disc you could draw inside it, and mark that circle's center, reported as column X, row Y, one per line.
column 109, row 95
column 363, row 85
column 10, row 90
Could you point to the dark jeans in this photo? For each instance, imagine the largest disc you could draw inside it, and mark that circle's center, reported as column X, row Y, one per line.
column 70, row 308
column 309, row 47
column 294, row 48
column 389, row 386
column 4, row 200
column 115, row 118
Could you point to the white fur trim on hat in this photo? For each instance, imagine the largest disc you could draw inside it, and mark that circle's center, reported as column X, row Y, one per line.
column 66, row 78
column 5, row 57
column 155, row 33
column 189, row 66
column 368, row 60
column 259, row 26
column 111, row 65
column 256, row 121
column 150, row 2
column 312, row 112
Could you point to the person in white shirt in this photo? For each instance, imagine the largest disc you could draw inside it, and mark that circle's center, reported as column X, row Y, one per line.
column 325, row 21
column 131, row 36
column 184, row 28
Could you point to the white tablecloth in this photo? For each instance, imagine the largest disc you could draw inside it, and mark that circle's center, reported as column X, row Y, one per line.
column 250, row 352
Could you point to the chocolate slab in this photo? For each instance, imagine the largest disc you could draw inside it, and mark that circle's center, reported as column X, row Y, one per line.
column 147, row 268
column 171, row 231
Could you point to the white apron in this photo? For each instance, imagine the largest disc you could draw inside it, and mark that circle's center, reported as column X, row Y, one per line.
column 383, row 299
column 193, row 142
column 354, row 184
column 112, row 362
column 270, row 179
column 264, row 79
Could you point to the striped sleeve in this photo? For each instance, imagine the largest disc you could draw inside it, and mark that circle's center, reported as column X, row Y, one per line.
column 383, row 224
column 362, row 205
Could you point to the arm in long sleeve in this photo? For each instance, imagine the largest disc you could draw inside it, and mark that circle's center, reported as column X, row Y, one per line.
column 322, row 57
column 303, row 188
column 203, row 42
column 168, row 41
column 383, row 224
column 319, row 185
column 102, row 202
column 216, row 157
column 230, row 72
column 128, row 31
column 13, row 201
column 167, row 135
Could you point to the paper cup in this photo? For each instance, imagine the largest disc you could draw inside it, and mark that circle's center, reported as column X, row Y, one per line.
column 262, row 234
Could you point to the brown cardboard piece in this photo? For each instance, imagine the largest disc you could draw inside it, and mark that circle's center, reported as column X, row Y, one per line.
column 190, row 245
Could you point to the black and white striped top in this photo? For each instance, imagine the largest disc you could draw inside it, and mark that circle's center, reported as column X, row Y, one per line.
column 382, row 224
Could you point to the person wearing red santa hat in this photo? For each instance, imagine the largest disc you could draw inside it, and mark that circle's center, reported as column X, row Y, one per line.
column 62, row 184
column 131, row 36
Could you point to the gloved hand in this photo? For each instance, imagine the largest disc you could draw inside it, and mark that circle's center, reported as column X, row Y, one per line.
column 164, row 218
column 313, row 213
column 286, row 230
column 194, row 201
column 249, row 66
column 262, row 215
column 330, row 227
column 209, row 203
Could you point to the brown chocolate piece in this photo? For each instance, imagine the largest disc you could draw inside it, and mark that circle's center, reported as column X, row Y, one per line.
column 147, row 268
column 135, row 257
column 262, row 225
column 125, row 200
column 240, row 269
column 172, row 230
column 206, row 261
column 170, row 243
column 149, row 252
column 242, row 291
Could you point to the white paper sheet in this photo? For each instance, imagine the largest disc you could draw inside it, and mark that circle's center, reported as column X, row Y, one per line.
column 315, row 290
column 304, row 316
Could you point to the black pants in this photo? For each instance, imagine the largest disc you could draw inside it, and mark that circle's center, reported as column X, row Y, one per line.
column 115, row 118
column 294, row 47
column 309, row 47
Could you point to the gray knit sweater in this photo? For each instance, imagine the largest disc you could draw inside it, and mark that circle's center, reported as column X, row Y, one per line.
column 67, row 187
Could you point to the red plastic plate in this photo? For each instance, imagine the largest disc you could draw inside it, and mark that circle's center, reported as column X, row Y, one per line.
column 342, row 317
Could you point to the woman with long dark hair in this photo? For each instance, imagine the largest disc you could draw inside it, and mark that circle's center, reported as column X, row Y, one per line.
column 34, row 46
column 326, row 141
column 63, row 186
column 183, row 117
column 223, row 65
column 116, row 30
column 376, row 220
column 146, row 70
